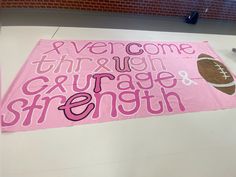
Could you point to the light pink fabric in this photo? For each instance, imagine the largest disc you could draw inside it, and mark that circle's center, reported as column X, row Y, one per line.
column 65, row 83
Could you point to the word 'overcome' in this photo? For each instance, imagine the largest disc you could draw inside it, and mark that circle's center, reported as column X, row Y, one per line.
column 132, row 48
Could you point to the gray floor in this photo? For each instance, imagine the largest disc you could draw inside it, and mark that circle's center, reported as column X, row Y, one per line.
column 76, row 18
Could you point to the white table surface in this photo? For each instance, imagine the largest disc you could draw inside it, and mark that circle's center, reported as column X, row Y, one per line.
column 186, row 145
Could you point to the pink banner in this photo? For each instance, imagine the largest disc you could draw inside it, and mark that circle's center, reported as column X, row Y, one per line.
column 66, row 83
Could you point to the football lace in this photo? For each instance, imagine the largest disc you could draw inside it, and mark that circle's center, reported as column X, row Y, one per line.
column 222, row 71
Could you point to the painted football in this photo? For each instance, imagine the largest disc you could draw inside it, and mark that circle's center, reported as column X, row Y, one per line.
column 216, row 73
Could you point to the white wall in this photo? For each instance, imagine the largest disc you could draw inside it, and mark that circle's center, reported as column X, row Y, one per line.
column 193, row 144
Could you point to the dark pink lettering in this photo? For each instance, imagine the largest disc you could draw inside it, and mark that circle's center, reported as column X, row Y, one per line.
column 47, row 101
column 124, row 96
column 25, row 87
column 76, row 83
column 128, row 49
column 151, row 48
column 4, row 120
column 67, row 107
column 31, row 110
column 80, row 50
column 59, row 80
column 99, row 46
column 98, row 97
column 149, row 104
column 167, row 97
column 141, row 64
column 56, row 45
column 128, row 84
column 170, row 47
column 40, row 65
column 148, row 80
column 166, row 79
column 98, row 80
column 186, row 48
column 126, row 67
column 63, row 60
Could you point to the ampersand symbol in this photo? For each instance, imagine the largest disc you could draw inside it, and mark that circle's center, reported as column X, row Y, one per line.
column 185, row 78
